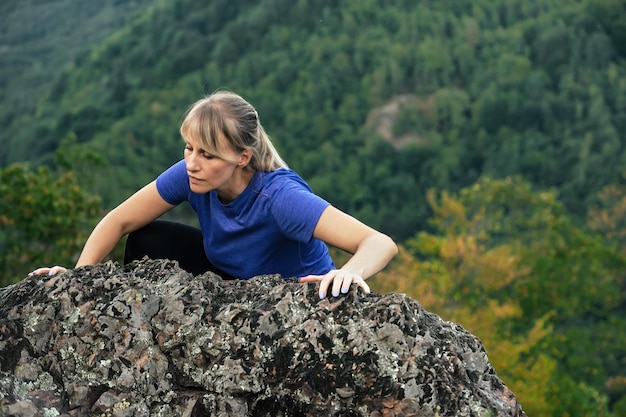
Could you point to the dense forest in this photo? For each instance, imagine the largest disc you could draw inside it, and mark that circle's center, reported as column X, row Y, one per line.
column 486, row 137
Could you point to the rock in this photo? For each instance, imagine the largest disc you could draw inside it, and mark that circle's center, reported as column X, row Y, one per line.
column 149, row 339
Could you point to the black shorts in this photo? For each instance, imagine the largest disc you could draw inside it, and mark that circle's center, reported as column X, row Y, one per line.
column 169, row 240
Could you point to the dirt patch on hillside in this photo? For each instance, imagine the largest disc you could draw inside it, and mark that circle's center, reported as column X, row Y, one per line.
column 382, row 119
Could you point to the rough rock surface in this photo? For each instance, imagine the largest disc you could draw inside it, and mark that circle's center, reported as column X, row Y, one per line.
column 149, row 339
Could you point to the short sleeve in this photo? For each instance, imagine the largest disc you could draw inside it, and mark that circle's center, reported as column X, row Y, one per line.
column 297, row 210
column 173, row 184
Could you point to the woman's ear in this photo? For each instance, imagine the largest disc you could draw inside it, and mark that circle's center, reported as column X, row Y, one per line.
column 244, row 158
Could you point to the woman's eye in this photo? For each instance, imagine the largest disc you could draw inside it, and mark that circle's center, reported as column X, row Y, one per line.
column 204, row 154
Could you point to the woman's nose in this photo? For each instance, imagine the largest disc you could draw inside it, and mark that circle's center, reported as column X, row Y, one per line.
column 191, row 162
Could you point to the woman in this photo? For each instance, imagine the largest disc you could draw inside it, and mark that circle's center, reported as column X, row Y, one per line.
column 256, row 215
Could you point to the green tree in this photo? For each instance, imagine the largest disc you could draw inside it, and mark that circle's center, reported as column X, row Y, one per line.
column 44, row 219
column 507, row 262
column 462, row 277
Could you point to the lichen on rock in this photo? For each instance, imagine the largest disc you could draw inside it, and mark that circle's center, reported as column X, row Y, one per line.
column 149, row 339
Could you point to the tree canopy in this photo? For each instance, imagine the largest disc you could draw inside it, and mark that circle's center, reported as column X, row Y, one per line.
column 495, row 88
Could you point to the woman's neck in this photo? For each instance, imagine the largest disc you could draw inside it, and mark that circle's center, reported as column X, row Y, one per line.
column 239, row 182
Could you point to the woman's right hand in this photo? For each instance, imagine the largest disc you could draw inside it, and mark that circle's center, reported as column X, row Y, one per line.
column 48, row 271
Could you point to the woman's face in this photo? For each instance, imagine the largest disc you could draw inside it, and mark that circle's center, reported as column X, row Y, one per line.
column 209, row 172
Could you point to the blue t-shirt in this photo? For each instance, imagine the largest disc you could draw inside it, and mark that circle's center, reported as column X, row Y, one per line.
column 267, row 229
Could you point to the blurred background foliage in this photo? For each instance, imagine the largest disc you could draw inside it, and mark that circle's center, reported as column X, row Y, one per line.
column 486, row 137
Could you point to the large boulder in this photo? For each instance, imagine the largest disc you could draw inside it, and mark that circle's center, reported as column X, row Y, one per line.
column 149, row 339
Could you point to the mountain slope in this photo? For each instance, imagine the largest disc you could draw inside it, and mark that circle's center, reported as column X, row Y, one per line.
column 498, row 89
column 37, row 41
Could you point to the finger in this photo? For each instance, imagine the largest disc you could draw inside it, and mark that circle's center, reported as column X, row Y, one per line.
column 56, row 270
column 347, row 282
column 311, row 278
column 361, row 282
column 39, row 271
column 339, row 281
column 350, row 279
column 326, row 280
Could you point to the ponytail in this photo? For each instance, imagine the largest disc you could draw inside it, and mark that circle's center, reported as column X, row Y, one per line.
column 267, row 157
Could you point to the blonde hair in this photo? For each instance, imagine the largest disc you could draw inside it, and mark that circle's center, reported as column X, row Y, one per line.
column 231, row 115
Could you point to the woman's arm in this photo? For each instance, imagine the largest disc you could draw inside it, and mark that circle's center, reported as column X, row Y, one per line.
column 138, row 210
column 371, row 251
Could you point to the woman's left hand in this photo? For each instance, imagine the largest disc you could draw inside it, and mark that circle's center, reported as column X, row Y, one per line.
column 342, row 279
column 48, row 271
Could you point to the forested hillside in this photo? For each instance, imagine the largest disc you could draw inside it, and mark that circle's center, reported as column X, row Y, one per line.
column 486, row 136
column 500, row 88
column 37, row 41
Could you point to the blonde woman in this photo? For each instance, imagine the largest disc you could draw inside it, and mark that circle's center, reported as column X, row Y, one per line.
column 256, row 215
